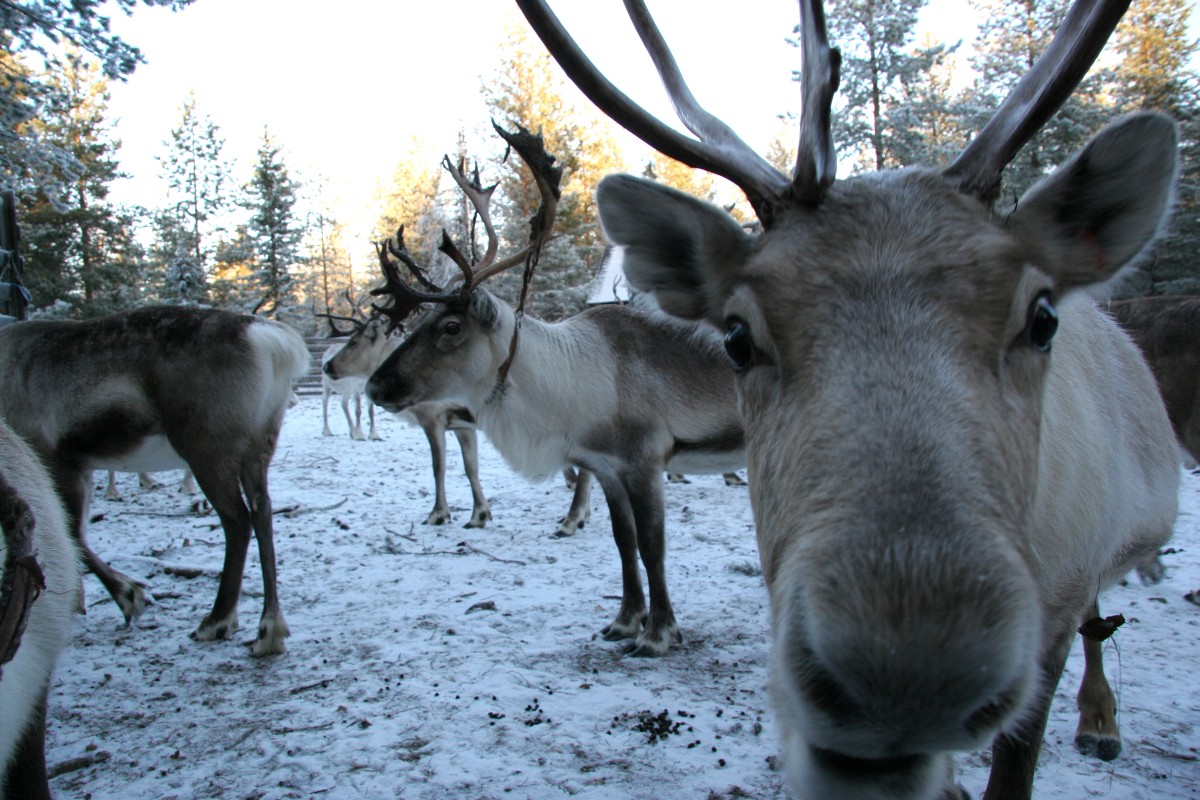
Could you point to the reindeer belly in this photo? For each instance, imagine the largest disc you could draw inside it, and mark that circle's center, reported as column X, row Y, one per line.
column 151, row 454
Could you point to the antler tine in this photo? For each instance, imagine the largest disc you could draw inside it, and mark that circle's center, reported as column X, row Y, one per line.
column 334, row 330
column 532, row 150
column 481, row 200
column 404, row 257
column 719, row 150
column 816, row 158
column 1039, row 94
column 405, row 299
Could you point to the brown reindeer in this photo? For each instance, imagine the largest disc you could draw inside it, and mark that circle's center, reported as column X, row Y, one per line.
column 1167, row 330
column 951, row 450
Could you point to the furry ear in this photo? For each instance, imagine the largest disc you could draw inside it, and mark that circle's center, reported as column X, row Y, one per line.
column 1101, row 209
column 679, row 248
column 483, row 308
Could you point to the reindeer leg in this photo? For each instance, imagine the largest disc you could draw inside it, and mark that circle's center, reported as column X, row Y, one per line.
column 110, row 490
column 733, row 479
column 25, row 775
column 355, row 428
column 325, row 411
column 147, row 481
column 1015, row 753
column 632, row 614
column 1097, row 734
column 468, row 442
column 219, row 482
column 581, row 506
column 272, row 628
column 76, row 488
column 435, row 432
column 374, row 435
column 646, row 499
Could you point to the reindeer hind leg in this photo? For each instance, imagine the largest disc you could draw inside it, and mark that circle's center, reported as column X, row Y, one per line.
column 272, row 628
column 218, row 480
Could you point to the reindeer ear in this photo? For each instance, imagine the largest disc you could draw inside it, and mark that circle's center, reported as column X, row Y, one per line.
column 1098, row 211
column 483, row 308
column 679, row 248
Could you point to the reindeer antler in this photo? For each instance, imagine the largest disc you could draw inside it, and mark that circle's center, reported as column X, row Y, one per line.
column 1040, row 93
column 977, row 171
column 334, row 330
column 718, row 149
column 405, row 298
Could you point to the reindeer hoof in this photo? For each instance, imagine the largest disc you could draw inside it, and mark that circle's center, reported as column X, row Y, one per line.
column 1151, row 571
column 1105, row 748
column 479, row 520
column 132, row 602
column 271, row 635
column 210, row 630
column 438, row 518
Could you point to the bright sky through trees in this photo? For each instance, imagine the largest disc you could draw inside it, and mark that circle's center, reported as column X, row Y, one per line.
column 346, row 88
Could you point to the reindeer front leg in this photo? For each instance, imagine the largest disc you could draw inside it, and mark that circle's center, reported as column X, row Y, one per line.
column 1015, row 752
column 435, row 432
column 468, row 442
column 1097, row 734
column 581, row 506
column 75, row 488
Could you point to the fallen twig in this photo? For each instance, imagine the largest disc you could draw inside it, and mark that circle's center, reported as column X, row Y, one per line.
column 76, row 764
column 482, row 552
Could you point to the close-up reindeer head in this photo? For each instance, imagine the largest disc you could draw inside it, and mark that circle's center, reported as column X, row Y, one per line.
column 937, row 495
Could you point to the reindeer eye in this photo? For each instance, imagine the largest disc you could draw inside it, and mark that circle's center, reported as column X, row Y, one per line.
column 451, row 327
column 1043, row 322
column 738, row 344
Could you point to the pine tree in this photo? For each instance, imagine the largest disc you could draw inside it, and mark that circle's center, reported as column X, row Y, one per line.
column 528, row 91
column 880, row 115
column 78, row 247
column 1155, row 73
column 274, row 231
column 196, row 173
column 410, row 197
column 53, row 33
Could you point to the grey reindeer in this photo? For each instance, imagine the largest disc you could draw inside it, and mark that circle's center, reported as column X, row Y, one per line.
column 614, row 391
column 162, row 388
column 951, row 449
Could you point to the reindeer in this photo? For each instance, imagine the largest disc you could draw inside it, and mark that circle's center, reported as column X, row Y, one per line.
column 1167, row 330
column 951, row 449
column 154, row 389
column 39, row 584
column 614, row 391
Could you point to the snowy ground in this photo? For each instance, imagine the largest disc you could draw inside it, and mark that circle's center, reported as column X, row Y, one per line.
column 443, row 663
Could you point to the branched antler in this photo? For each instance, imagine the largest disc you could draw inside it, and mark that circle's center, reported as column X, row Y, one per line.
column 406, row 298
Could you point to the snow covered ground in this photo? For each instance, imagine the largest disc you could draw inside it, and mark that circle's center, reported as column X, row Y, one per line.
column 437, row 662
